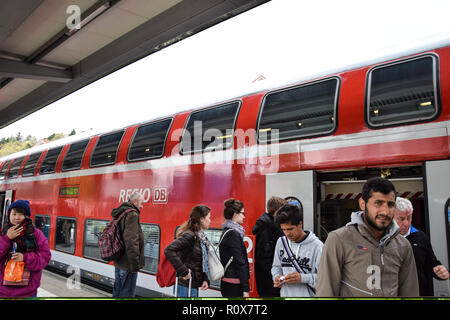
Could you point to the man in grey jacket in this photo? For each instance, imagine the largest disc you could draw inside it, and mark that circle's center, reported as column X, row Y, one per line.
column 295, row 271
column 368, row 256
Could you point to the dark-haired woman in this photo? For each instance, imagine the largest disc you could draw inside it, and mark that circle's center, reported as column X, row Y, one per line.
column 235, row 281
column 21, row 241
column 188, row 252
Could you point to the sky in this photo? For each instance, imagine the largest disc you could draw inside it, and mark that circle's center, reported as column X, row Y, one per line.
column 283, row 40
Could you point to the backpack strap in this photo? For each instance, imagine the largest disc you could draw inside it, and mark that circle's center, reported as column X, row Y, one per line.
column 125, row 212
column 231, row 258
column 293, row 260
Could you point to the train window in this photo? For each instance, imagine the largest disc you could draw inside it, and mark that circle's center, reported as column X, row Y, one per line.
column 74, row 156
column 66, row 230
column 49, row 163
column 149, row 141
column 15, row 167
column 4, row 168
column 402, row 92
column 30, row 165
column 152, row 236
column 210, row 129
column 303, row 111
column 92, row 230
column 105, row 151
column 42, row 222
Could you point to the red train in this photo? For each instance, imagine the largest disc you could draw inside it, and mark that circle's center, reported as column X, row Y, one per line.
column 318, row 140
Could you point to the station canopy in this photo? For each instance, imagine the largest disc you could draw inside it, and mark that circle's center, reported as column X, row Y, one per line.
column 51, row 48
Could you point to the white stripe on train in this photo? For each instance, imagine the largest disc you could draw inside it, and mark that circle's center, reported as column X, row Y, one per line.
column 421, row 131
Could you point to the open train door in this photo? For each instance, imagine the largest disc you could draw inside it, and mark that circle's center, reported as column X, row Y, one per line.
column 438, row 195
column 5, row 200
column 300, row 184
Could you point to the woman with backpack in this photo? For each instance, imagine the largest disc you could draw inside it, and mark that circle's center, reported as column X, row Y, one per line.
column 235, row 281
column 22, row 243
column 188, row 252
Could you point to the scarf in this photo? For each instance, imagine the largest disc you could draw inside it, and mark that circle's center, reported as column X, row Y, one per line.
column 26, row 241
column 204, row 244
column 230, row 224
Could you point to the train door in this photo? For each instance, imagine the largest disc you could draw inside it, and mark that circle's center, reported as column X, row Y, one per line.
column 340, row 192
column 438, row 195
column 300, row 184
column 5, row 200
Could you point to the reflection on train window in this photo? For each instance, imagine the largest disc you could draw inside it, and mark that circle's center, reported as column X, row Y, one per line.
column 149, row 141
column 303, row 111
column 74, row 156
column 214, row 237
column 30, row 165
column 15, row 167
column 66, row 230
column 92, row 230
column 210, row 129
column 49, row 163
column 3, row 171
column 105, row 151
column 152, row 236
column 42, row 222
column 402, row 92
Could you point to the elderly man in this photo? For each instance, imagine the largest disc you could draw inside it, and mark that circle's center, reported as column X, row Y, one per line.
column 128, row 265
column 427, row 264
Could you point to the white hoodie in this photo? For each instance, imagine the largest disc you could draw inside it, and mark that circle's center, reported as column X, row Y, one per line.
column 308, row 253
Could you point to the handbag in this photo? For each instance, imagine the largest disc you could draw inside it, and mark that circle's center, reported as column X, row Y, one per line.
column 216, row 269
column 16, row 274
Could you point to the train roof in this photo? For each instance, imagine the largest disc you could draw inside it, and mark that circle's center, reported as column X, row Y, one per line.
column 254, row 88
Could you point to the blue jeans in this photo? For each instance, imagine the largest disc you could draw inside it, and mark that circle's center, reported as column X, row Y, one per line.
column 183, row 292
column 124, row 283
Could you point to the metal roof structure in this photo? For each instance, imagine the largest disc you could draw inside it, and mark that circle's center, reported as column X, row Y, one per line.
column 51, row 48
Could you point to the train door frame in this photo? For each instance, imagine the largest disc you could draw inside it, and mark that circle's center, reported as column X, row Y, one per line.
column 9, row 194
column 437, row 195
column 300, row 184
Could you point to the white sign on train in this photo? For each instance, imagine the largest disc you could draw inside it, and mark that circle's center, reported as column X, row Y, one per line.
column 160, row 194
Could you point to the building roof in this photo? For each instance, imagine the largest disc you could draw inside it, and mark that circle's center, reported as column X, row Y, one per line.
column 44, row 56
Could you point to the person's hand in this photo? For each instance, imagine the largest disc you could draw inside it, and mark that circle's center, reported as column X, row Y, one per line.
column 293, row 277
column 204, row 285
column 246, row 295
column 17, row 256
column 188, row 276
column 277, row 282
column 441, row 272
column 14, row 232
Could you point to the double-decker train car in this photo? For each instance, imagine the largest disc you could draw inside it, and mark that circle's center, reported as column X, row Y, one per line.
column 318, row 139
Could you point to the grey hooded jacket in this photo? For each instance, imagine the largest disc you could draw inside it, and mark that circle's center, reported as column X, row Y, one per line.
column 354, row 263
column 308, row 254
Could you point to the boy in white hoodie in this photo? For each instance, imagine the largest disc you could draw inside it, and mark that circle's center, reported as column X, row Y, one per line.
column 295, row 272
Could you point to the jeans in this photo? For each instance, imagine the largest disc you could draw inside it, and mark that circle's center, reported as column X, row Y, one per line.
column 124, row 283
column 183, row 292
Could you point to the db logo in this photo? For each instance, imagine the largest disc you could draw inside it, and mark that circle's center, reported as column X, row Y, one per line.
column 160, row 195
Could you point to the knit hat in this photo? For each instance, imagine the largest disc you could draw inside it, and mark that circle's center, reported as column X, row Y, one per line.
column 24, row 204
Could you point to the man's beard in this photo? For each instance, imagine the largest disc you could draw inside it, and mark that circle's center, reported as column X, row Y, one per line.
column 372, row 222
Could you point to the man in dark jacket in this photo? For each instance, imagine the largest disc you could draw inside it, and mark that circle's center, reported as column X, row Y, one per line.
column 428, row 266
column 128, row 265
column 267, row 234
